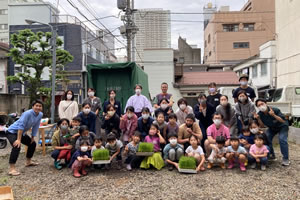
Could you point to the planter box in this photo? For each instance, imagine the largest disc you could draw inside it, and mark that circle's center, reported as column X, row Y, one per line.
column 187, row 171
column 144, row 153
column 101, row 162
column 294, row 135
column 6, row 193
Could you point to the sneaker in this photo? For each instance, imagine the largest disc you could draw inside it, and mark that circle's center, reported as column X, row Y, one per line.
column 57, row 165
column 263, row 167
column 253, row 166
column 128, row 167
column 285, row 162
column 272, row 157
column 171, row 167
column 209, row 165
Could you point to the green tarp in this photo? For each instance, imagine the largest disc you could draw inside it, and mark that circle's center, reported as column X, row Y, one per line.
column 121, row 77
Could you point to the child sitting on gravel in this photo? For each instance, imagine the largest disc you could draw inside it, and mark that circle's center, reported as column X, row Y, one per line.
column 236, row 154
column 246, row 138
column 133, row 161
column 196, row 151
column 218, row 153
column 85, row 135
column 115, row 147
column 172, row 126
column 173, row 151
column 258, row 153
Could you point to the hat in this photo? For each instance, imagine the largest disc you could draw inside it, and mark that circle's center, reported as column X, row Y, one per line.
column 244, row 76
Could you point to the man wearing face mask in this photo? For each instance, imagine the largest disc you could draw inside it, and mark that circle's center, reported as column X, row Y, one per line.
column 244, row 78
column 276, row 122
column 139, row 101
column 163, row 95
column 214, row 97
column 68, row 108
column 214, row 130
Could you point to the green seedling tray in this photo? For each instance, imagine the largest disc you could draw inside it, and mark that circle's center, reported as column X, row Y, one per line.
column 101, row 162
column 187, row 171
column 144, row 153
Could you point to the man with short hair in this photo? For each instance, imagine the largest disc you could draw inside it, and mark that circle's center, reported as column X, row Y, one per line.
column 244, row 78
column 214, row 97
column 164, row 94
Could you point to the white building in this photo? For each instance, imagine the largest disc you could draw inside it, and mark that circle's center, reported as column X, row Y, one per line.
column 3, row 67
column 154, row 31
column 288, row 43
column 260, row 68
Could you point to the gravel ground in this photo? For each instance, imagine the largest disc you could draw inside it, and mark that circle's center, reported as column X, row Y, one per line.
column 45, row 182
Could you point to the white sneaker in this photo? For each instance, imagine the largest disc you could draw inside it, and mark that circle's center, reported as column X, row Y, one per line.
column 285, row 162
column 253, row 165
column 128, row 167
column 263, row 167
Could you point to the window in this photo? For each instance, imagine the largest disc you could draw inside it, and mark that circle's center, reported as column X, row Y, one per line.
column 208, row 38
column 238, row 45
column 3, row 26
column 264, row 70
column 297, row 90
column 254, row 71
column 209, row 53
column 249, row 27
column 3, row 12
column 181, row 60
column 230, row 27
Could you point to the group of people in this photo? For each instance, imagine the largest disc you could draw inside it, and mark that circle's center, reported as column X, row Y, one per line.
column 212, row 131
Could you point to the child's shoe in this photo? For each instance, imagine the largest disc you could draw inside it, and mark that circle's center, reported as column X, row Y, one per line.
column 83, row 172
column 119, row 164
column 209, row 165
column 263, row 167
column 171, row 167
column 253, row 165
column 76, row 173
column 57, row 165
column 230, row 164
column 222, row 165
column 107, row 166
column 242, row 167
column 128, row 167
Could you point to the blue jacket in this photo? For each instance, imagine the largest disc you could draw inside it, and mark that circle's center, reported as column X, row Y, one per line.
column 144, row 128
column 117, row 106
column 89, row 120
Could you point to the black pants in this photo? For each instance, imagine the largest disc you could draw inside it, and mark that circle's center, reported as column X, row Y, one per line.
column 15, row 151
column 135, row 161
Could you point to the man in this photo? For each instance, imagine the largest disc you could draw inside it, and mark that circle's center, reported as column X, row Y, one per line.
column 214, row 97
column 164, row 94
column 244, row 78
column 16, row 134
column 138, row 101
column 277, row 124
column 190, row 127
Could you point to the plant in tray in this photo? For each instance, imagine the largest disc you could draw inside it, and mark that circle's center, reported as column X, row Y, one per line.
column 145, row 147
column 186, row 162
column 101, row 154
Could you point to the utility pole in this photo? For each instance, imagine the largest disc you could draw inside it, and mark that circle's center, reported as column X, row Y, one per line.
column 128, row 31
column 133, row 35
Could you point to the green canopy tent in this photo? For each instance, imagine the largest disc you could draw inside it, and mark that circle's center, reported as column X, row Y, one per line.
column 121, row 77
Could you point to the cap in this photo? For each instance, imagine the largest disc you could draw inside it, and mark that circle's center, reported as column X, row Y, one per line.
column 244, row 76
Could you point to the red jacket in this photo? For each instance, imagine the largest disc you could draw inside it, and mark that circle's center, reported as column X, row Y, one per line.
column 123, row 125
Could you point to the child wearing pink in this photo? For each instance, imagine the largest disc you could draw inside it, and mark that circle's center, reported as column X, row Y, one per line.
column 258, row 153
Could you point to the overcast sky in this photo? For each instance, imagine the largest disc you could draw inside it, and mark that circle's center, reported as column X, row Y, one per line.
column 192, row 31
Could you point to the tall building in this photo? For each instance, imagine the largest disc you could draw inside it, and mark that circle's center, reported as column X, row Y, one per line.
column 154, row 31
column 232, row 36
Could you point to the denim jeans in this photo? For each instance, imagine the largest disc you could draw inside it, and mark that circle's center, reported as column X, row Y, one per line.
column 283, row 141
column 263, row 160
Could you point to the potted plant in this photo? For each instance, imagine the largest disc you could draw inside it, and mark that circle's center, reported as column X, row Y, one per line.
column 187, row 165
column 101, row 156
column 145, row 149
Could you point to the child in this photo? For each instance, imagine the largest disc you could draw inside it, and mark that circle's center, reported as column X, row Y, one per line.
column 173, row 151
column 236, row 153
column 85, row 135
column 246, row 138
column 172, row 125
column 75, row 125
column 155, row 160
column 81, row 159
column 258, row 153
column 197, row 152
column 218, row 153
column 160, row 122
column 114, row 146
column 128, row 124
column 130, row 150
column 97, row 144
column 254, row 129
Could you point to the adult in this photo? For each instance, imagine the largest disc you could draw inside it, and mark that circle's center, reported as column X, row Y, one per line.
column 95, row 103
column 144, row 123
column 16, row 134
column 68, row 108
column 164, row 94
column 276, row 122
column 111, row 121
column 88, row 117
column 214, row 130
column 190, row 127
column 128, row 124
column 62, row 143
column 112, row 100
column 244, row 78
column 244, row 109
column 164, row 108
column 183, row 110
column 138, row 101
column 214, row 97
column 228, row 113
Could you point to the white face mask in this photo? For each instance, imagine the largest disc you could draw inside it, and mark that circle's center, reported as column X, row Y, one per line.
column 138, row 91
column 224, row 103
column 243, row 83
column 254, row 130
column 263, row 108
column 129, row 115
column 217, row 122
column 145, row 116
column 182, row 106
column 163, row 106
column 91, row 94
column 242, row 99
column 69, row 96
column 110, row 113
column 86, row 111
column 173, row 141
column 84, row 148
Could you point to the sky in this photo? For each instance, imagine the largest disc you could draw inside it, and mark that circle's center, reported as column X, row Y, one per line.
column 192, row 31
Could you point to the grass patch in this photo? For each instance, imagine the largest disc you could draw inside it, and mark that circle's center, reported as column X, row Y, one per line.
column 145, row 147
column 101, row 154
column 186, row 162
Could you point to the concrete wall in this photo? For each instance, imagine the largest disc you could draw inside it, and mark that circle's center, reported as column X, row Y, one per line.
column 190, row 55
column 288, row 43
column 10, row 103
column 4, row 20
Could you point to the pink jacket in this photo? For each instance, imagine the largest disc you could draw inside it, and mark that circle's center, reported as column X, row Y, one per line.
column 129, row 131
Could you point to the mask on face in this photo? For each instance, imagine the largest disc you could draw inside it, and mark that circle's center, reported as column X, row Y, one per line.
column 263, row 108
column 138, row 91
column 164, row 106
column 217, row 122
column 211, row 90
column 110, row 113
column 242, row 99
column 145, row 116
column 69, row 96
column 86, row 111
column 112, row 96
column 254, row 130
column 91, row 94
column 182, row 106
column 63, row 127
column 129, row 115
column 173, row 141
column 224, row 103
column 202, row 101
column 84, row 148
column 243, row 83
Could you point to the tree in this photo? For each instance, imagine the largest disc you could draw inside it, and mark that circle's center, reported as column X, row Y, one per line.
column 33, row 52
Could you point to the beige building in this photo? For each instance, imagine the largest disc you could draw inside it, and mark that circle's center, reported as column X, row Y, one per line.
column 4, row 48
column 232, row 36
column 288, row 43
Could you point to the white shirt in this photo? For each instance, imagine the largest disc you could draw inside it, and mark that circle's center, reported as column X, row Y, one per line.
column 198, row 150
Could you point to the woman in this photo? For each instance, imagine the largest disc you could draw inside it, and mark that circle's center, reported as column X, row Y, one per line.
column 228, row 112
column 112, row 100
column 88, row 117
column 183, row 110
column 68, row 108
column 164, row 108
column 128, row 124
column 111, row 121
column 144, row 123
column 62, row 143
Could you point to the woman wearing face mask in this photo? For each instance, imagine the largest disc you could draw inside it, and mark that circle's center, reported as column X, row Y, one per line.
column 183, row 110
column 244, row 110
column 244, row 78
column 128, row 124
column 112, row 100
column 111, row 121
column 139, row 101
column 144, row 123
column 228, row 113
column 62, row 143
column 164, row 108
column 88, row 117
column 68, row 108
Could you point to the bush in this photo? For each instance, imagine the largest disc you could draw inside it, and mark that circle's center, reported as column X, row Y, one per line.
column 296, row 124
column 186, row 162
column 101, row 154
column 145, row 147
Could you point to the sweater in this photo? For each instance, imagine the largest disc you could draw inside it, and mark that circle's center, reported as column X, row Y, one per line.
column 68, row 109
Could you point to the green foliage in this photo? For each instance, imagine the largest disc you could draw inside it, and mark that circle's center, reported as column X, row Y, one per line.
column 145, row 147
column 186, row 162
column 33, row 52
column 101, row 154
column 296, row 124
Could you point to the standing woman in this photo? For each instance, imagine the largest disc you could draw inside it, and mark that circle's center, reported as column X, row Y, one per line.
column 88, row 117
column 112, row 100
column 95, row 103
column 68, row 108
